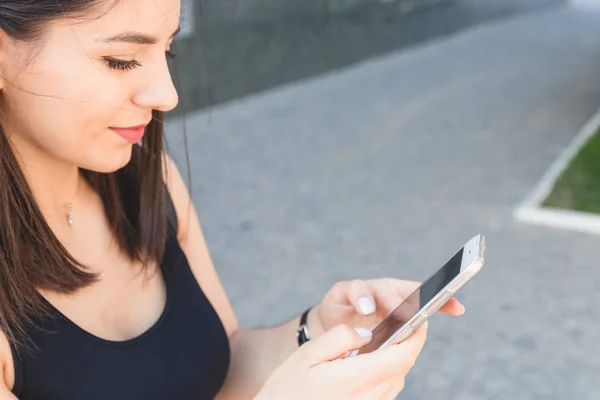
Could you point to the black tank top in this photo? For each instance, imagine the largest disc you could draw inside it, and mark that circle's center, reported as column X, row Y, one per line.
column 184, row 355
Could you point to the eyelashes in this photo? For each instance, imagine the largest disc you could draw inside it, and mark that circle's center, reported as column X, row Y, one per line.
column 122, row 65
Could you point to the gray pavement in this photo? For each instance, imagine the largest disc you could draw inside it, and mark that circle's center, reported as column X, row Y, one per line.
column 386, row 168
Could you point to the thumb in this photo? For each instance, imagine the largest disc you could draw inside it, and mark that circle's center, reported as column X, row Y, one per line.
column 335, row 343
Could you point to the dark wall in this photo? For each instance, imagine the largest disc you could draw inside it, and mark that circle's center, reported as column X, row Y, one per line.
column 269, row 11
column 241, row 47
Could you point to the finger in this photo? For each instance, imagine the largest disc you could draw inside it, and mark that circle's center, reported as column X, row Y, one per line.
column 394, row 387
column 453, row 307
column 360, row 295
column 406, row 288
column 409, row 349
column 392, row 361
column 388, row 390
column 387, row 298
column 334, row 344
column 390, row 293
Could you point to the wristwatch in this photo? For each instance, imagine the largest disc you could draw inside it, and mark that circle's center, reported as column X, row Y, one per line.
column 302, row 332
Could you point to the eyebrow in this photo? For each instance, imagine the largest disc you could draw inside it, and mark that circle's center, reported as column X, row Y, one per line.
column 135, row 37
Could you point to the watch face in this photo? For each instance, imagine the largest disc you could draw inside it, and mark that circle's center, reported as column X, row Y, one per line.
column 305, row 330
column 302, row 334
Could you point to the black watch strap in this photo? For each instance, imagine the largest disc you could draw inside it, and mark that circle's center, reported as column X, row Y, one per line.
column 302, row 332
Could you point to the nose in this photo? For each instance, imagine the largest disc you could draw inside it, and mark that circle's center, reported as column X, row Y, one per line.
column 158, row 92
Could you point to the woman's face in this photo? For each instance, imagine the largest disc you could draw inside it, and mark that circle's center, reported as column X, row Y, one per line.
column 88, row 77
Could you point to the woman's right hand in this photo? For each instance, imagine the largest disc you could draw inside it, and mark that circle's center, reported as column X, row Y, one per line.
column 319, row 369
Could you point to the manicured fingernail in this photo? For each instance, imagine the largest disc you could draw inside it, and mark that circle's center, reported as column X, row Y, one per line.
column 463, row 309
column 366, row 306
column 363, row 332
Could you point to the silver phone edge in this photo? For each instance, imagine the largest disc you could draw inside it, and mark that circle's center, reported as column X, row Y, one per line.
column 431, row 307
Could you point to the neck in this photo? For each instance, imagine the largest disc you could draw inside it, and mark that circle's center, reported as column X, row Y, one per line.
column 55, row 184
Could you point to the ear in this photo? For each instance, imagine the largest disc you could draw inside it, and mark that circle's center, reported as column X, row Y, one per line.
column 3, row 39
column 9, row 56
column 4, row 44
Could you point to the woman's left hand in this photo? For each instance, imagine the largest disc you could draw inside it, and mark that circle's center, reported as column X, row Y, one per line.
column 361, row 303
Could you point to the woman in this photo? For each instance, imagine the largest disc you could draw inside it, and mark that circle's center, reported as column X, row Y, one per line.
column 102, row 295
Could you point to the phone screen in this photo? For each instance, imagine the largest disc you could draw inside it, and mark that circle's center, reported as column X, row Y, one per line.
column 413, row 303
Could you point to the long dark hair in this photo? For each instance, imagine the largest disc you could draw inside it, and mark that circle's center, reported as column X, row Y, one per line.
column 31, row 257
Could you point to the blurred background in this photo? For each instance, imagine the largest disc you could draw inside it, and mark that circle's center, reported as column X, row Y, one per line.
column 340, row 139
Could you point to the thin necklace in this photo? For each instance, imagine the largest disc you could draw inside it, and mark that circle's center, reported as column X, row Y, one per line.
column 70, row 214
column 70, row 206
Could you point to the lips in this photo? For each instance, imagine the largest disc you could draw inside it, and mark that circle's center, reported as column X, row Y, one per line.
column 132, row 134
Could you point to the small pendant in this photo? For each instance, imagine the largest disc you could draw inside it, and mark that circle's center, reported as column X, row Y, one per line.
column 70, row 214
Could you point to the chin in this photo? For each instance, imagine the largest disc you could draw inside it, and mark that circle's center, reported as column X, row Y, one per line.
column 109, row 162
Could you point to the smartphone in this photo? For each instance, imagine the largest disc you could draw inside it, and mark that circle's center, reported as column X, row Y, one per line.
column 429, row 297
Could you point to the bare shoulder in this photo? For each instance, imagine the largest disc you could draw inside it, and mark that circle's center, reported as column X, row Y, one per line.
column 193, row 243
column 6, row 368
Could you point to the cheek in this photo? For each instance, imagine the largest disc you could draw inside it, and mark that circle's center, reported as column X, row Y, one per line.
column 80, row 135
column 88, row 100
column 59, row 124
column 68, row 118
